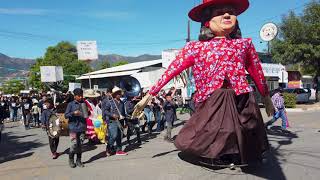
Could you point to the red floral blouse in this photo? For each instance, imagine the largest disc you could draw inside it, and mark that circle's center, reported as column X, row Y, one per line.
column 215, row 61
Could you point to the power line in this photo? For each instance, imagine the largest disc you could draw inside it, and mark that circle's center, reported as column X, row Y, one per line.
column 21, row 35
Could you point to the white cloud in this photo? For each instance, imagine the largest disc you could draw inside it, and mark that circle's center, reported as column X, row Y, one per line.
column 23, row 11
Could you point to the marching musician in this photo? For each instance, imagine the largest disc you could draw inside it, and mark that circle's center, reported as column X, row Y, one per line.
column 45, row 116
column 77, row 127
column 113, row 114
column 133, row 123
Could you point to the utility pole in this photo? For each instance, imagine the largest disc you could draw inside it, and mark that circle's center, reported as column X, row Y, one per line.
column 188, row 30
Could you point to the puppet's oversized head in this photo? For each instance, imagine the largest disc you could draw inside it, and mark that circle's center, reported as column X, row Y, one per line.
column 219, row 16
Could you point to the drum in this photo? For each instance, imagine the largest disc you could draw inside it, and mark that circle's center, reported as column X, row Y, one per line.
column 64, row 125
column 58, row 126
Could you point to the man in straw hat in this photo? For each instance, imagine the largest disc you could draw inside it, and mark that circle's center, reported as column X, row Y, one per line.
column 227, row 127
column 113, row 114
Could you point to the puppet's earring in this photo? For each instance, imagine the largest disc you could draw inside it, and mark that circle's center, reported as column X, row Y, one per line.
column 207, row 24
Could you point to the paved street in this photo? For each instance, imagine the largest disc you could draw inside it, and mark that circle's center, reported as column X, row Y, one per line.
column 26, row 155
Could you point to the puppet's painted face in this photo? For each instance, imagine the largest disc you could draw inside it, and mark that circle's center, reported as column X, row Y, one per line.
column 223, row 21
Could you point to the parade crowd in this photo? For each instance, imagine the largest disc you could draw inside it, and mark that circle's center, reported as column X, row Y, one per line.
column 112, row 107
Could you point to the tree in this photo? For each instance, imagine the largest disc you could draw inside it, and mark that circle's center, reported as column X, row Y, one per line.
column 63, row 54
column 103, row 65
column 120, row 63
column 299, row 39
column 12, row 86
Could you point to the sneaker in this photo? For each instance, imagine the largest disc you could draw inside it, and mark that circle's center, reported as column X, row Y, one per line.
column 71, row 163
column 55, row 155
column 79, row 164
column 109, row 153
column 121, row 153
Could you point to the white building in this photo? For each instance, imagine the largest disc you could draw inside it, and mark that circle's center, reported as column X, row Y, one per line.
column 146, row 72
column 168, row 56
column 275, row 74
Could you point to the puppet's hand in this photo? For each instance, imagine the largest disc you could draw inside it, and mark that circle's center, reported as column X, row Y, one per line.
column 269, row 106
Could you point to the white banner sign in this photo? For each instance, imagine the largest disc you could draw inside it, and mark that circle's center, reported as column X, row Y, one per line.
column 73, row 86
column 87, row 50
column 51, row 73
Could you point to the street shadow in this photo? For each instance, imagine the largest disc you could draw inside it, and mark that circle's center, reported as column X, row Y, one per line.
column 15, row 157
column 88, row 147
column 277, row 131
column 64, row 152
column 164, row 153
column 144, row 139
column 15, row 147
column 179, row 124
column 132, row 147
column 272, row 169
column 96, row 157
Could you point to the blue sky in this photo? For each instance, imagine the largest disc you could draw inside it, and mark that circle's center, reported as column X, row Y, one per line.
column 126, row 27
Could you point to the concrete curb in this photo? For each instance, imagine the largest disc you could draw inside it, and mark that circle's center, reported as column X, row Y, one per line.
column 302, row 109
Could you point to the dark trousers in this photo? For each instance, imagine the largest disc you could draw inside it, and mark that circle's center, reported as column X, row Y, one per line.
column 26, row 118
column 53, row 143
column 76, row 139
column 114, row 136
column 133, row 127
column 169, row 129
column 36, row 119
column 150, row 126
column 1, row 128
column 15, row 115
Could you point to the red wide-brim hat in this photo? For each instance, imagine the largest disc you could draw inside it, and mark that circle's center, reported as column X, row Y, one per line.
column 196, row 13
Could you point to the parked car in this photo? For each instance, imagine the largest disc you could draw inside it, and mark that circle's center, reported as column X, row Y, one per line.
column 302, row 95
column 309, row 91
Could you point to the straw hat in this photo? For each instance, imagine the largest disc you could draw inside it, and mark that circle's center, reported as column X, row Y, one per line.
column 116, row 89
column 90, row 93
column 196, row 13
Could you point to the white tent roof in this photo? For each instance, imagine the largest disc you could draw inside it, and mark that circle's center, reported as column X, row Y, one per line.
column 127, row 67
column 96, row 76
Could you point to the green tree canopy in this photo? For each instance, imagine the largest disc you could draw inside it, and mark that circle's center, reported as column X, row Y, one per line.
column 119, row 63
column 103, row 65
column 63, row 54
column 299, row 39
column 12, row 86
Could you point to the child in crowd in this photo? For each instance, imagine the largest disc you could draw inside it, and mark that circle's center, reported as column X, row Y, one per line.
column 169, row 108
column 45, row 116
column 35, row 110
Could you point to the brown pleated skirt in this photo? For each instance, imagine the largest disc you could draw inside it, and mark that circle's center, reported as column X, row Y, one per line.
column 225, row 124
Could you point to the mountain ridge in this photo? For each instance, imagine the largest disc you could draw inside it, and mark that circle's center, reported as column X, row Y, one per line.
column 11, row 67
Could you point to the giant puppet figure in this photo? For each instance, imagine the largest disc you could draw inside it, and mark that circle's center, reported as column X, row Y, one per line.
column 227, row 121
